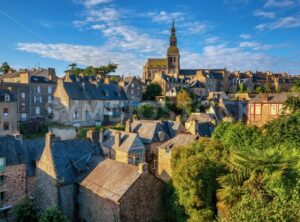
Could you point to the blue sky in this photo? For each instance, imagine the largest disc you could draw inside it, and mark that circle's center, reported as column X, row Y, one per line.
column 237, row 34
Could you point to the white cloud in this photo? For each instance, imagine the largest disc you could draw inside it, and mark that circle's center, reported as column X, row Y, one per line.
column 280, row 3
column 245, row 36
column 195, row 27
column 166, row 17
column 264, row 14
column 86, row 55
column 282, row 23
column 234, row 58
column 255, row 45
column 89, row 3
column 212, row 40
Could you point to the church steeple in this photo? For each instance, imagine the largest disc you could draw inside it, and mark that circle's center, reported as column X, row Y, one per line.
column 173, row 52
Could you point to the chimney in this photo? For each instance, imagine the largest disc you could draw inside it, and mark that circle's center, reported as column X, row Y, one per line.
column 178, row 118
column 143, row 168
column 101, row 135
column 128, row 126
column 266, row 97
column 193, row 127
column 50, row 137
column 92, row 135
column 117, row 139
column 107, row 81
column 67, row 76
column 51, row 74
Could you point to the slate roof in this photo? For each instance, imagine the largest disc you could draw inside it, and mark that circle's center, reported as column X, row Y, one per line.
column 34, row 72
column 205, row 129
column 41, row 80
column 150, row 131
column 200, row 117
column 72, row 159
column 217, row 76
column 179, row 140
column 111, row 179
column 17, row 152
column 90, row 91
column 188, row 71
column 196, row 84
column 128, row 140
column 4, row 92
column 279, row 98
column 172, row 79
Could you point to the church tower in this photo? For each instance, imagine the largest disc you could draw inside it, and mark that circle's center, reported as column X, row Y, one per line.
column 173, row 56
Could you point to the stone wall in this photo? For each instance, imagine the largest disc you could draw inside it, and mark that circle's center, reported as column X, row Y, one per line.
column 66, row 200
column 164, row 170
column 93, row 208
column 46, row 190
column 143, row 202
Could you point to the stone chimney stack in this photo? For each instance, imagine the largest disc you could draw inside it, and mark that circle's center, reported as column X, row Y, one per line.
column 101, row 135
column 266, row 97
column 93, row 135
column 128, row 126
column 50, row 138
column 107, row 81
column 179, row 118
column 193, row 127
column 117, row 139
column 67, row 76
column 143, row 168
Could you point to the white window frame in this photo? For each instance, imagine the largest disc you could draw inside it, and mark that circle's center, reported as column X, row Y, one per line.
column 38, row 110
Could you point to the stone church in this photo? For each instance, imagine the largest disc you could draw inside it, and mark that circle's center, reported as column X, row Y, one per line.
column 169, row 65
column 167, row 72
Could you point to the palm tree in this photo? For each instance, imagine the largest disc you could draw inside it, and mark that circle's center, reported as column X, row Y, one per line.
column 249, row 172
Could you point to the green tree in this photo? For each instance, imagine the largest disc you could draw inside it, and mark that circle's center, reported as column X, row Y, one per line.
column 292, row 104
column 195, row 172
column 53, row 214
column 4, row 68
column 184, row 101
column 241, row 88
column 25, row 211
column 153, row 90
column 296, row 87
column 147, row 111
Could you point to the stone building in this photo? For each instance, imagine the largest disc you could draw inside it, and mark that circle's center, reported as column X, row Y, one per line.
column 266, row 107
column 133, row 88
column 122, row 146
column 116, row 191
column 153, row 133
column 8, row 113
column 201, row 124
column 33, row 91
column 62, row 165
column 82, row 101
column 164, row 170
column 168, row 65
column 17, row 172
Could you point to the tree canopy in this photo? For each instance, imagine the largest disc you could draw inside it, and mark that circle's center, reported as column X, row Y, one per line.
column 4, row 68
column 242, row 173
column 102, row 71
column 153, row 90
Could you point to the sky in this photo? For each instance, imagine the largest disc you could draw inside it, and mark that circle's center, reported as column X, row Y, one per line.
column 237, row 34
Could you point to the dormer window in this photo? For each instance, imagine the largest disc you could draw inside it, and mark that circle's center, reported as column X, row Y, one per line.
column 7, row 98
column 38, row 89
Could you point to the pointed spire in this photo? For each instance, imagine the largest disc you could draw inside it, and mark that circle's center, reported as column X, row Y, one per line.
column 173, row 30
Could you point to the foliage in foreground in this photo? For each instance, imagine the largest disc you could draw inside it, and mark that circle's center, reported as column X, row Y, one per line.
column 242, row 174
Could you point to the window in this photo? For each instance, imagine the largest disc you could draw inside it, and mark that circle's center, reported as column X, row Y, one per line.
column 49, row 99
column 75, row 115
column 258, row 109
column 2, row 163
column 23, row 95
column 23, row 116
column 38, row 89
column 7, row 98
column 37, row 110
column 2, row 179
column 132, row 92
column 5, row 112
column 132, row 85
column 49, row 110
column 49, row 89
column 2, row 196
column 6, row 126
column 273, row 109
column 251, row 109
